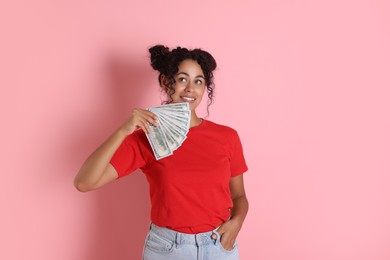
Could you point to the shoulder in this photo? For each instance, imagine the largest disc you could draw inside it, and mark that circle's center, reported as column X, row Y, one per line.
column 140, row 135
column 137, row 138
column 221, row 129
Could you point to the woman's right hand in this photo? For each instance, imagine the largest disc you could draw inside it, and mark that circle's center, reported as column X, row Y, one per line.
column 139, row 118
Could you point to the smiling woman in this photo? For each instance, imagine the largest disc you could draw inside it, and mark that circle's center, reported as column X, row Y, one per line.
column 175, row 67
column 189, row 84
column 197, row 194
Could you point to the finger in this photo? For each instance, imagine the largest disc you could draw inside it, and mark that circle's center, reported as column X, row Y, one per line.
column 146, row 125
column 153, row 121
column 142, row 126
column 226, row 239
column 220, row 231
column 150, row 118
column 227, row 245
column 153, row 115
column 150, row 114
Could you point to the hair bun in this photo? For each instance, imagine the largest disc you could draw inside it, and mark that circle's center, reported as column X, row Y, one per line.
column 158, row 56
column 207, row 57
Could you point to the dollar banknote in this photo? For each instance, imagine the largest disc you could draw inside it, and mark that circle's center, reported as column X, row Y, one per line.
column 173, row 124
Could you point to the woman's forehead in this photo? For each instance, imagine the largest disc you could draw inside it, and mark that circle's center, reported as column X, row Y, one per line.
column 190, row 67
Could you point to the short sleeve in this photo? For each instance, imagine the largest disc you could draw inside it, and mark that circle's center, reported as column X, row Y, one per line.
column 128, row 157
column 237, row 160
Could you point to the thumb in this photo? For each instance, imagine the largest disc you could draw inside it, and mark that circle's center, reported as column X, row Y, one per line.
column 221, row 230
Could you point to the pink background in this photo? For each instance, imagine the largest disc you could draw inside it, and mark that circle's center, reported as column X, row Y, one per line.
column 305, row 83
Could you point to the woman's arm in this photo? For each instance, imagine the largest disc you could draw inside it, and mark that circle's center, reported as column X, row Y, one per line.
column 229, row 230
column 240, row 202
column 97, row 170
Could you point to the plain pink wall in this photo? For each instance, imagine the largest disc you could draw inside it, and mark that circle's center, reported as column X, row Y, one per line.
column 305, row 83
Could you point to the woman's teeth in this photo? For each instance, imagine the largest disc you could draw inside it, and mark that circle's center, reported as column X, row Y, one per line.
column 188, row 98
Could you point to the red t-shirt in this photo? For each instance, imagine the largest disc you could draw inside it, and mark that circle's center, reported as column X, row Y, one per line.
column 189, row 190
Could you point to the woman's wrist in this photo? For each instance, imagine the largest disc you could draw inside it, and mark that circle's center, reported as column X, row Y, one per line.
column 237, row 220
column 125, row 130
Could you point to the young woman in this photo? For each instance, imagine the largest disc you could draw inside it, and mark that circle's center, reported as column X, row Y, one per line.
column 197, row 194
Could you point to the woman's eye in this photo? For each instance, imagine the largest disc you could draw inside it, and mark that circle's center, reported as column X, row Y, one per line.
column 182, row 80
column 198, row 82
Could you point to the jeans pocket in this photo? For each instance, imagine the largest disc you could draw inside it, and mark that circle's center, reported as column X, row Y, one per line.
column 158, row 244
column 235, row 246
column 219, row 244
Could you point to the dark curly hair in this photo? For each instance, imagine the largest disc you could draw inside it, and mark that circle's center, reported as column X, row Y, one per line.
column 167, row 63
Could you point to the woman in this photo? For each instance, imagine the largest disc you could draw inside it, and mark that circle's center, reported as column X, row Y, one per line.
column 197, row 194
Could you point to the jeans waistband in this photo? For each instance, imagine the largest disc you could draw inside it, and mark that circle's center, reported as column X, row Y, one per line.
column 183, row 238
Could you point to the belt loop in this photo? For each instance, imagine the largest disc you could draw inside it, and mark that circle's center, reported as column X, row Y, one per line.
column 177, row 240
column 214, row 232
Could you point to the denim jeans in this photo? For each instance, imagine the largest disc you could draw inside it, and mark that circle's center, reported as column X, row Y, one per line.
column 166, row 244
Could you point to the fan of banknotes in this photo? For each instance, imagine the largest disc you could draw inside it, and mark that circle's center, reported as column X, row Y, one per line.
column 173, row 125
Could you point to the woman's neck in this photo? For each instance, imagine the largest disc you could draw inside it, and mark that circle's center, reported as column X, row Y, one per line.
column 195, row 120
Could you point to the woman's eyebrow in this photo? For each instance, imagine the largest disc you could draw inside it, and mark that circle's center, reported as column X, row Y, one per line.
column 183, row 73
column 199, row 76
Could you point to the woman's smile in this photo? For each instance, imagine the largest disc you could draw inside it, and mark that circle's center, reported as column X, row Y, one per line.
column 187, row 99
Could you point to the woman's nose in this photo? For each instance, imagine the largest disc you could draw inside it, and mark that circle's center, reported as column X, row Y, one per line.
column 189, row 87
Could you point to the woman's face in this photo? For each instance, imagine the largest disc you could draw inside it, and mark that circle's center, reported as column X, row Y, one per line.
column 190, row 84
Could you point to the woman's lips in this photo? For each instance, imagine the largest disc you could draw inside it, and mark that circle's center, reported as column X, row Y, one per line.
column 188, row 99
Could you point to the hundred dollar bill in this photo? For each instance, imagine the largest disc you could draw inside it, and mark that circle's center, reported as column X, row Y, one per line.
column 172, row 143
column 178, row 134
column 173, row 106
column 173, row 126
column 181, row 126
column 158, row 142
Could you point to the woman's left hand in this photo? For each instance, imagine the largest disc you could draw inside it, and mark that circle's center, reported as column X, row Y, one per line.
column 228, row 232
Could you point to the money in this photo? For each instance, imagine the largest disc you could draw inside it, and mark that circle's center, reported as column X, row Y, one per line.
column 173, row 126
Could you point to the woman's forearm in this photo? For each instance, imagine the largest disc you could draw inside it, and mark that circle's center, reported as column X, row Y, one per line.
column 94, row 166
column 240, row 209
column 96, row 171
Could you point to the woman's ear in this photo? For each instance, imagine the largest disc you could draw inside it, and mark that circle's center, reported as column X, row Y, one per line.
column 164, row 83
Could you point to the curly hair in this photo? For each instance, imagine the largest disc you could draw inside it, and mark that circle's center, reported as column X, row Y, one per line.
column 167, row 63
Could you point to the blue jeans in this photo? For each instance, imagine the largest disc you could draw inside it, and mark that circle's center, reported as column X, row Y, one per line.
column 166, row 244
